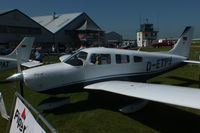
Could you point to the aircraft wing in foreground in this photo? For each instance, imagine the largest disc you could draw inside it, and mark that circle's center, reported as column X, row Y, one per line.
column 182, row 96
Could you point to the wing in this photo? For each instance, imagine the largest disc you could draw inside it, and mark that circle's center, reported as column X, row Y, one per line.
column 182, row 96
column 192, row 61
column 31, row 63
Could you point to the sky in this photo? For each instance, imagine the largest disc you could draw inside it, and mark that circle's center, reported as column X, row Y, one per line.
column 122, row 16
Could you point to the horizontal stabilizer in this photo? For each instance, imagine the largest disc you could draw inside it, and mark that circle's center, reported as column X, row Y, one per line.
column 32, row 63
column 192, row 61
column 182, row 96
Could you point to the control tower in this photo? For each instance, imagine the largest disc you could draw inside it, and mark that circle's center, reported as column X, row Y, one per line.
column 146, row 35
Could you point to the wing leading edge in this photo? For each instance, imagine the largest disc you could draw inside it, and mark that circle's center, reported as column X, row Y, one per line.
column 191, row 61
column 182, row 96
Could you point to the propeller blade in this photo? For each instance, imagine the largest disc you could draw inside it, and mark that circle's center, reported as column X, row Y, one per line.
column 20, row 75
column 21, row 88
column 18, row 62
column 17, row 77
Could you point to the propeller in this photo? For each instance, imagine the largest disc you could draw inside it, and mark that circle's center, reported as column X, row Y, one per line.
column 18, row 76
column 20, row 71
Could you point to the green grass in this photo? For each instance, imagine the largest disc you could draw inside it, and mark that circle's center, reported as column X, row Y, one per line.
column 196, row 42
column 97, row 112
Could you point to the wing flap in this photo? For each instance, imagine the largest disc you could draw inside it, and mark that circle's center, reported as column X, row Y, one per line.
column 182, row 96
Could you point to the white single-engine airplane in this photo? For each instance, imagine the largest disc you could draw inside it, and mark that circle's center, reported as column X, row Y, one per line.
column 117, row 71
column 22, row 52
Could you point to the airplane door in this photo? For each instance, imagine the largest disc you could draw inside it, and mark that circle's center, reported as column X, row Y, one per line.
column 77, row 62
column 97, row 67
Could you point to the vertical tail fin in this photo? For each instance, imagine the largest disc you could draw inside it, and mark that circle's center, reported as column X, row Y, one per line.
column 23, row 49
column 182, row 47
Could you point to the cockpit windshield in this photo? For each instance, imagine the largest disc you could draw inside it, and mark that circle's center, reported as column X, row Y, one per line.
column 78, row 59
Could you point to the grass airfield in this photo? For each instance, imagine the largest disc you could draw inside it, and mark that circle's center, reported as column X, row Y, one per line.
column 97, row 112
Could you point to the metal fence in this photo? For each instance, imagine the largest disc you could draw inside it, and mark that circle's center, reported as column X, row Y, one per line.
column 38, row 115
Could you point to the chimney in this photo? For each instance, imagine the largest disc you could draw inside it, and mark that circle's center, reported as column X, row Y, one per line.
column 54, row 15
column 147, row 21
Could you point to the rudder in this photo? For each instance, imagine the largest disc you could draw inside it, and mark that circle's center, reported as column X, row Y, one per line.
column 23, row 49
column 182, row 47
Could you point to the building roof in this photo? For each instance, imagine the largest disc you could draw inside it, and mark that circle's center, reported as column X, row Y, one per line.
column 89, row 25
column 56, row 22
column 113, row 37
column 5, row 12
column 2, row 12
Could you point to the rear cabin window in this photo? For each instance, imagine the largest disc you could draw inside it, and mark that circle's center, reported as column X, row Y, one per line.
column 120, row 59
column 100, row 59
column 137, row 59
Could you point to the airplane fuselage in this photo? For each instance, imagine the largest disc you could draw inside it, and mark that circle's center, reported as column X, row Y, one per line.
column 83, row 69
column 114, row 71
column 7, row 63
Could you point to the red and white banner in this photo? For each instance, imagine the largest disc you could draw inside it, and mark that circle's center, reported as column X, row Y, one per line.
column 23, row 120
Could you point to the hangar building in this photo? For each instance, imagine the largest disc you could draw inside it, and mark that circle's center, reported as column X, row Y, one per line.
column 113, row 38
column 61, row 30
column 14, row 25
column 72, row 29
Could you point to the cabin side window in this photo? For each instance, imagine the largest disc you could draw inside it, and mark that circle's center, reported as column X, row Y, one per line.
column 100, row 59
column 78, row 59
column 120, row 59
column 137, row 59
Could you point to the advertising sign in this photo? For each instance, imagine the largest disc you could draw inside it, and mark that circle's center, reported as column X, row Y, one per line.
column 23, row 120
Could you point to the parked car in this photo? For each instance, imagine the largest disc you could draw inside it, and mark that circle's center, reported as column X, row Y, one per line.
column 162, row 43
